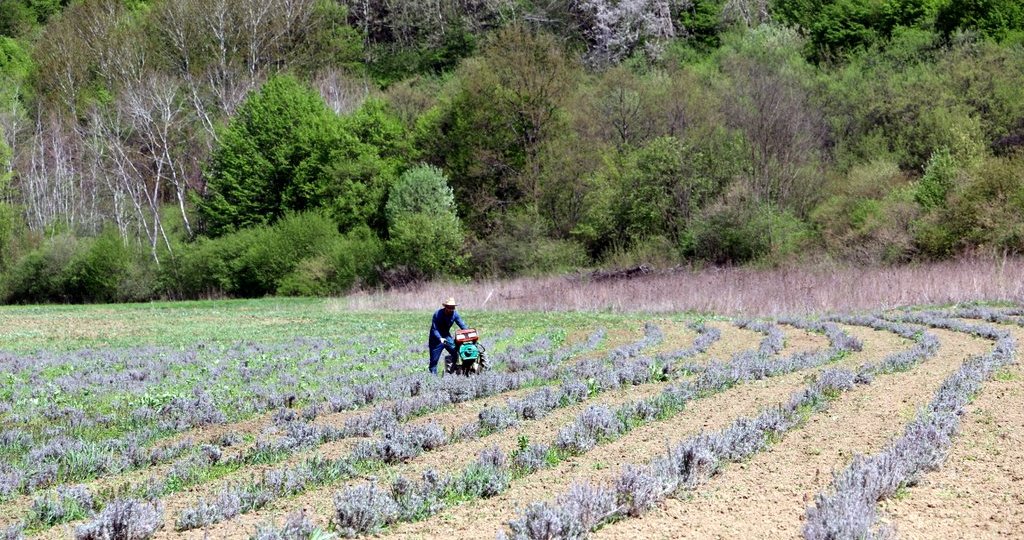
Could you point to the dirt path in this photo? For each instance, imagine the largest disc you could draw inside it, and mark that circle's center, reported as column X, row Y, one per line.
column 767, row 496
column 483, row 519
column 319, row 502
column 979, row 490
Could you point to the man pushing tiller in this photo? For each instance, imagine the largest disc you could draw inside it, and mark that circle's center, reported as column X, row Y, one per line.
column 465, row 354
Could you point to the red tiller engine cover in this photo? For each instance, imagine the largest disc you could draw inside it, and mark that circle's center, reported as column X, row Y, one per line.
column 467, row 335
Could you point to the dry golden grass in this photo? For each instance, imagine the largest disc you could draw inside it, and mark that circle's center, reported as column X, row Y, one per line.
column 732, row 291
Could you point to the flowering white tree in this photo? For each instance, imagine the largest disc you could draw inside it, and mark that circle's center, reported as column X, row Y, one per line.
column 746, row 12
column 616, row 28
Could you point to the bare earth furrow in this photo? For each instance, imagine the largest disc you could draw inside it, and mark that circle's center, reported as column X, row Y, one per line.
column 767, row 496
column 454, row 457
column 483, row 519
column 979, row 491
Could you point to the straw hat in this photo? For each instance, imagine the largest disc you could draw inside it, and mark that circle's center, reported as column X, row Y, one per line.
column 449, row 302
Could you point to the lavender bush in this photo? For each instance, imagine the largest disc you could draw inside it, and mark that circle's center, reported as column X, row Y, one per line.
column 123, row 519
column 297, row 526
column 363, row 509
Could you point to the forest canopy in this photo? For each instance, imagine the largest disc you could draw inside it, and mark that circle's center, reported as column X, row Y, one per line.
column 193, row 148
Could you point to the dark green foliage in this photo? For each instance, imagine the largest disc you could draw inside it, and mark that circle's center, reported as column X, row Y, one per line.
column 15, row 68
column 19, row 17
column 285, row 151
column 96, row 273
column 840, row 27
column 702, row 23
column 271, row 158
column 357, row 258
column 390, row 63
column 874, row 131
column 982, row 208
column 940, row 176
column 302, row 254
column 521, row 244
column 424, row 232
column 998, row 19
column 68, row 269
column 744, row 232
column 364, row 164
column 657, row 190
column 276, row 253
column 37, row 277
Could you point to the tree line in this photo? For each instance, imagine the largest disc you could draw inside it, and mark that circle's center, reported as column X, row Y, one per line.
column 185, row 149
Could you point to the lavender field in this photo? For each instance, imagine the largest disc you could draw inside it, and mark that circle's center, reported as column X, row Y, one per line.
column 286, row 419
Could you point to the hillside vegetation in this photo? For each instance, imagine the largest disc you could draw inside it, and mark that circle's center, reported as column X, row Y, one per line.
column 183, row 149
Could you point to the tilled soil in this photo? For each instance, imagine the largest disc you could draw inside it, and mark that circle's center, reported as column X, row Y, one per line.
column 979, row 491
column 767, row 496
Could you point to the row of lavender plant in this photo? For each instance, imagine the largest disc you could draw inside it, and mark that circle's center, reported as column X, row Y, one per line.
column 395, row 445
column 22, row 447
column 1001, row 316
column 84, row 375
column 535, row 368
column 848, row 509
column 590, row 379
column 298, row 434
column 364, row 509
column 66, row 459
column 69, row 502
column 637, row 489
column 301, row 435
column 122, row 519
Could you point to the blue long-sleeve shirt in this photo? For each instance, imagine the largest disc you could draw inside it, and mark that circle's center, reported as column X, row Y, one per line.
column 441, row 325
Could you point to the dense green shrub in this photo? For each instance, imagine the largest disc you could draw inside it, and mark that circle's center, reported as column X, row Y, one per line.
column 656, row 190
column 206, row 267
column 521, row 244
column 867, row 218
column 984, row 210
column 38, row 276
column 356, row 259
column 303, row 254
column 285, row 151
column 311, row 277
column 998, row 19
column 18, row 17
column 69, row 269
column 940, row 177
column 424, row 232
column 251, row 262
column 278, row 249
column 97, row 272
column 271, row 158
column 742, row 232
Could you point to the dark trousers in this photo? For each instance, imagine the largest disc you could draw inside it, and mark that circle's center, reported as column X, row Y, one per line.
column 436, row 348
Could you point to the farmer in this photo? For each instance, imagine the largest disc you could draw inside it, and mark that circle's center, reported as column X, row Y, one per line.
column 440, row 332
